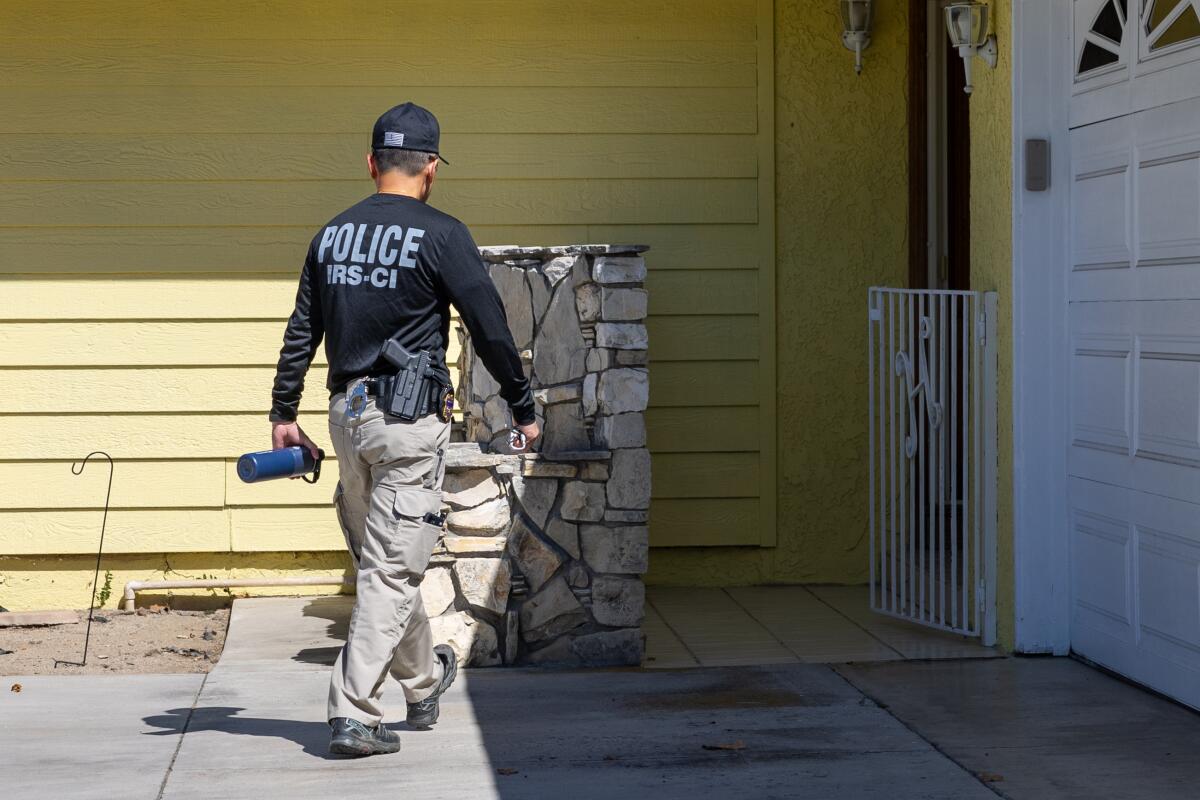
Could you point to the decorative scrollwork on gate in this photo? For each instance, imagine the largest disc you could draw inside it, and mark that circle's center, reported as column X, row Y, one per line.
column 904, row 368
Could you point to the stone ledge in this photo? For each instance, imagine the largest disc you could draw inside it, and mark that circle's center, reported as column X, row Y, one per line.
column 570, row 455
column 500, row 253
column 471, row 455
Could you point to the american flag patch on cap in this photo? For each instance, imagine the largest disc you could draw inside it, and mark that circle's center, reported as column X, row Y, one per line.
column 393, row 139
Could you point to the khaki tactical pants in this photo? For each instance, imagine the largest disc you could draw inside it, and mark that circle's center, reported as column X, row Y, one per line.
column 391, row 477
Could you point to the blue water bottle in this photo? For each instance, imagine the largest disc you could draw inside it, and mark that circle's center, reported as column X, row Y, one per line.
column 288, row 462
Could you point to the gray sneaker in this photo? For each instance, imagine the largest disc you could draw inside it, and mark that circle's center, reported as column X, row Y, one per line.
column 353, row 738
column 424, row 713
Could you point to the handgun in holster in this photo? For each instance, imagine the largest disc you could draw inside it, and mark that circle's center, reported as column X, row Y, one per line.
column 407, row 394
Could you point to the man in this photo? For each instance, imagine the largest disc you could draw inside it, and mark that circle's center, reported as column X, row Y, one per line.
column 388, row 268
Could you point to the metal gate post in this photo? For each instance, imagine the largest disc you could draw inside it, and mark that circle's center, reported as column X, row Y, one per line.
column 989, row 467
column 874, row 315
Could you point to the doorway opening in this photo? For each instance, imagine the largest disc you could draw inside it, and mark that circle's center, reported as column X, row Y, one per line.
column 939, row 157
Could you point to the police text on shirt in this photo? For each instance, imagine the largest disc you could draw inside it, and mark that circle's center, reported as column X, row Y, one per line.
column 387, row 246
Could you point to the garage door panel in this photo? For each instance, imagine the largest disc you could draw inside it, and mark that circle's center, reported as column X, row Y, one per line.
column 1168, row 400
column 1101, row 559
column 1100, row 416
column 1168, row 569
column 1163, row 281
column 1166, row 480
column 1168, row 195
column 1168, row 536
column 1166, row 459
column 1167, row 176
column 1101, row 207
column 1135, row 395
column 1098, row 464
column 1100, row 228
column 1101, row 368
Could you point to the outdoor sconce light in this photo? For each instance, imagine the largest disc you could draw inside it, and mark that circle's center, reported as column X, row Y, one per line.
column 857, row 16
column 967, row 24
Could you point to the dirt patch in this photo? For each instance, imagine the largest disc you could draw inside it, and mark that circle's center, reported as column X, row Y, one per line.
column 123, row 642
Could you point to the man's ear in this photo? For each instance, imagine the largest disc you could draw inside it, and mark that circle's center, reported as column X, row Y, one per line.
column 371, row 168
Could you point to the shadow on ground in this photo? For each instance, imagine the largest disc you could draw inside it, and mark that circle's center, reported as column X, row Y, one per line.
column 313, row 737
column 333, row 610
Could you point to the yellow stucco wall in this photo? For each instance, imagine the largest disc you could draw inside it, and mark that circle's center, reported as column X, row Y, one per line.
column 841, row 221
column 991, row 270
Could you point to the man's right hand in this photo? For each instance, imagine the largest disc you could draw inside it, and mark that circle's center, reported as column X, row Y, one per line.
column 289, row 434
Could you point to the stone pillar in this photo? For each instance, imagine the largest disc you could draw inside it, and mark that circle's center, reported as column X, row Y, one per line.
column 544, row 552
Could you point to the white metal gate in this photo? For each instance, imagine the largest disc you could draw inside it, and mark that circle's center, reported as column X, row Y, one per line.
column 932, row 384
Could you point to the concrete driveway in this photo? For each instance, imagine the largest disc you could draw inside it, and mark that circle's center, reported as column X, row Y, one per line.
column 253, row 728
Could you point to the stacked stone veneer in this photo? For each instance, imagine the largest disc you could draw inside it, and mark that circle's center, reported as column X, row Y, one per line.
column 543, row 553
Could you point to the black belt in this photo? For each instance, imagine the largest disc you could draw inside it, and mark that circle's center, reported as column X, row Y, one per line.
column 372, row 385
column 432, row 403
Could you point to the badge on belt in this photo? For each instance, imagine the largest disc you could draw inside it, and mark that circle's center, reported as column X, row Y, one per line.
column 356, row 401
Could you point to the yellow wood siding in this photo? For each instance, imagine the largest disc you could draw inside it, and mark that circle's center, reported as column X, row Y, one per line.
column 163, row 166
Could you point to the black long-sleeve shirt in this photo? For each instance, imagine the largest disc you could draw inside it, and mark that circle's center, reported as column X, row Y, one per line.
column 393, row 265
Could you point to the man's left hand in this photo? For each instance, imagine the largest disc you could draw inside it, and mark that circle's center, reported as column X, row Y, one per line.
column 531, row 432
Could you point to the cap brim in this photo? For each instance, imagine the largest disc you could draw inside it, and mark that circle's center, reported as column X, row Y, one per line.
column 442, row 157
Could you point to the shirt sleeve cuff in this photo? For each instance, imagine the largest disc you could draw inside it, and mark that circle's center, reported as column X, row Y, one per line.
column 524, row 413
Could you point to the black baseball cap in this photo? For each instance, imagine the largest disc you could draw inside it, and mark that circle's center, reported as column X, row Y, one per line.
column 407, row 127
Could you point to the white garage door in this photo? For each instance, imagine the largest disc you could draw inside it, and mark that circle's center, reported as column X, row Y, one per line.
column 1134, row 320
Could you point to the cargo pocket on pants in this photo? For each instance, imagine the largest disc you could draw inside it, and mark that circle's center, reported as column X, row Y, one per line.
column 415, row 538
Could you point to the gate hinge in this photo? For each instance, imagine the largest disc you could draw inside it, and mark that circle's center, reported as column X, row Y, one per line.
column 981, row 329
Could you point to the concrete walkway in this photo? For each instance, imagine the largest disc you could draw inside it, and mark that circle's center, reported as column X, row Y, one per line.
column 1044, row 727
column 86, row 736
column 708, row 627
column 254, row 728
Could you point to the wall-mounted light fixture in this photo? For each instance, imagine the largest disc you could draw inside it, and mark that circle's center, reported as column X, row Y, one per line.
column 857, row 16
column 967, row 24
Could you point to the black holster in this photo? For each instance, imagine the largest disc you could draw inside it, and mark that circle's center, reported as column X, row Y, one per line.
column 410, row 393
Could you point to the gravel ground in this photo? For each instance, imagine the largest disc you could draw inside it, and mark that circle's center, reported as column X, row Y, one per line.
column 148, row 640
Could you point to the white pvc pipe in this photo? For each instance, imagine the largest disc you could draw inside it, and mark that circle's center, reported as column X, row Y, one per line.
column 131, row 588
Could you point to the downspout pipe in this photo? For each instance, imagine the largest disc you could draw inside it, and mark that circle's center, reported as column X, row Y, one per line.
column 133, row 587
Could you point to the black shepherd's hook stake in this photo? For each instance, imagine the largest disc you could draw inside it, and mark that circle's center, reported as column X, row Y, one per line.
column 77, row 469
